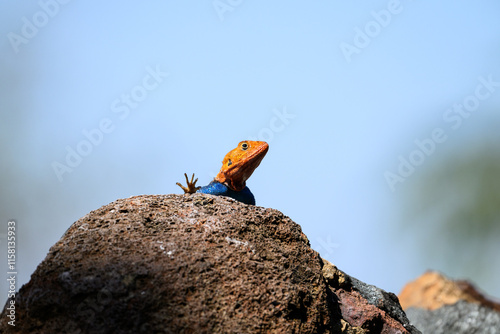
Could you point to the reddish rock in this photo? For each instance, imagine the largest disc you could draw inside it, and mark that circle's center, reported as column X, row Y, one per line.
column 433, row 290
column 195, row 264
column 366, row 307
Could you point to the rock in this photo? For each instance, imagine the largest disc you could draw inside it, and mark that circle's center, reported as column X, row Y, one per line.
column 439, row 305
column 433, row 290
column 365, row 306
column 460, row 318
column 194, row 264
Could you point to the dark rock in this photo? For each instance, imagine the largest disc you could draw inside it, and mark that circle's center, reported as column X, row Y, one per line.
column 366, row 306
column 460, row 318
column 194, row 264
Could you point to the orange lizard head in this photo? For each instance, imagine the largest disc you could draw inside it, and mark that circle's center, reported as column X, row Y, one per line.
column 240, row 163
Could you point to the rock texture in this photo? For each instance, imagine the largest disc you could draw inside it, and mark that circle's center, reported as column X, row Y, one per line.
column 195, row 264
column 366, row 308
column 433, row 290
column 439, row 305
column 459, row 318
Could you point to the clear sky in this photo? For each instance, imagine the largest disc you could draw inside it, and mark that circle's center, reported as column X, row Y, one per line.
column 107, row 100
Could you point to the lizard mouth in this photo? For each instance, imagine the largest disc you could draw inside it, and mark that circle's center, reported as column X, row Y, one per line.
column 259, row 153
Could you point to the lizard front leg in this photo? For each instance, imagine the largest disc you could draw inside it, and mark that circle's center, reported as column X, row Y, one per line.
column 191, row 186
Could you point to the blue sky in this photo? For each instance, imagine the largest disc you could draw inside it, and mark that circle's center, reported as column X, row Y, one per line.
column 173, row 87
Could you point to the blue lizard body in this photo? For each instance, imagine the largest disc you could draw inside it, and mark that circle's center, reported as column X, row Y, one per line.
column 220, row 189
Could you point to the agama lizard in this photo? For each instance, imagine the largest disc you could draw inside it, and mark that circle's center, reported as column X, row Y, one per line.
column 237, row 166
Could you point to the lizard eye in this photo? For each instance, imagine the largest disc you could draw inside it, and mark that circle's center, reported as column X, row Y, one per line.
column 244, row 146
column 229, row 162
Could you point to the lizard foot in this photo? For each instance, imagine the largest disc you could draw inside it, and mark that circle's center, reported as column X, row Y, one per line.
column 191, row 186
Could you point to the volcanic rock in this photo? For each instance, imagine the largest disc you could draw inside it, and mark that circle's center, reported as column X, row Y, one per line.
column 365, row 306
column 195, row 264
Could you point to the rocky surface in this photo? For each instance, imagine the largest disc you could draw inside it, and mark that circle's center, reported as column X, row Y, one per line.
column 459, row 318
column 366, row 308
column 195, row 264
column 433, row 290
column 439, row 305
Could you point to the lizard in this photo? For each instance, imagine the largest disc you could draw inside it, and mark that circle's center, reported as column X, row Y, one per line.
column 237, row 166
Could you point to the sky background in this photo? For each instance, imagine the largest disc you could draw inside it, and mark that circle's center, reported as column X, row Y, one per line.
column 341, row 91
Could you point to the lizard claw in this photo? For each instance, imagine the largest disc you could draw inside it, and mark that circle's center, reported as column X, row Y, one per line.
column 191, row 186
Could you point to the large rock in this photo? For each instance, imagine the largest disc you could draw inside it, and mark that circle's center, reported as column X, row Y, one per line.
column 459, row 318
column 433, row 290
column 439, row 305
column 194, row 264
